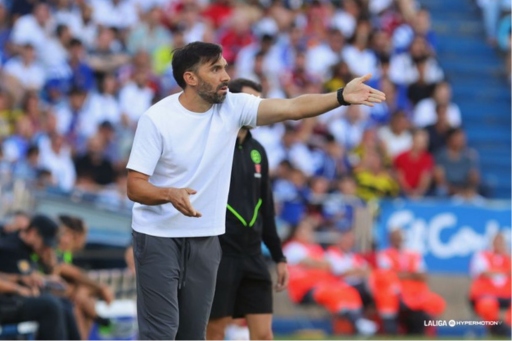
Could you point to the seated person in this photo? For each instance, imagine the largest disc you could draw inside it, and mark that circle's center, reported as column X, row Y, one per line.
column 456, row 165
column 311, row 280
column 18, row 222
column 17, row 252
column 400, row 290
column 350, row 266
column 491, row 285
column 21, row 303
column 82, row 291
column 373, row 180
column 415, row 167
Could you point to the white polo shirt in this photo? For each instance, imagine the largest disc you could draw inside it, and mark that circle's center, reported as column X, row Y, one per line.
column 179, row 148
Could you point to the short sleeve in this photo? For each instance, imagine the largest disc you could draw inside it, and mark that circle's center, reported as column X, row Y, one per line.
column 339, row 265
column 478, row 265
column 295, row 253
column 422, row 266
column 146, row 148
column 247, row 105
column 383, row 261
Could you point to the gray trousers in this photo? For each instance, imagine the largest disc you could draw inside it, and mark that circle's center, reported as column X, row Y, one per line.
column 175, row 285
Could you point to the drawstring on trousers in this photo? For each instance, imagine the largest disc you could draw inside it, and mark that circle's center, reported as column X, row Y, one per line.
column 185, row 255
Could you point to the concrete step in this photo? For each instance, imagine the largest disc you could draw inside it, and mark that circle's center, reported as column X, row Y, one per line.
column 463, row 27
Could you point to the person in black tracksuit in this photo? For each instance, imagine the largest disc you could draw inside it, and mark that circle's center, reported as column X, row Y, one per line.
column 244, row 285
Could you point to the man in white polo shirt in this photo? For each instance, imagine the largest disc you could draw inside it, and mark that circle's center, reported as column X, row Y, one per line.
column 179, row 174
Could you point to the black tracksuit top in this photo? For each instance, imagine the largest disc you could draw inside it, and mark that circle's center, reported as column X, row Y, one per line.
column 250, row 215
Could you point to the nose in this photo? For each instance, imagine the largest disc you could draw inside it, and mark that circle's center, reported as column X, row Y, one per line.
column 225, row 77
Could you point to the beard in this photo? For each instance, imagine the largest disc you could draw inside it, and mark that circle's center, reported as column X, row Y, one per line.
column 207, row 93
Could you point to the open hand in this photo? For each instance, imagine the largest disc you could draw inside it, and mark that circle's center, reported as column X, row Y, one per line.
column 179, row 198
column 356, row 92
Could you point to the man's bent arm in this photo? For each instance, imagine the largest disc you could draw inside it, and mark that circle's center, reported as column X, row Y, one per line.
column 311, row 105
column 142, row 191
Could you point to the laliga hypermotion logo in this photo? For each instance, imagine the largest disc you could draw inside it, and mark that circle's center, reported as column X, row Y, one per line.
column 453, row 323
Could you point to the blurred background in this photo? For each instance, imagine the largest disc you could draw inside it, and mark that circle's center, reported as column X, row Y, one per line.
column 434, row 160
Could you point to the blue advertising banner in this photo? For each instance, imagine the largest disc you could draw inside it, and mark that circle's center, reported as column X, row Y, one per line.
column 446, row 234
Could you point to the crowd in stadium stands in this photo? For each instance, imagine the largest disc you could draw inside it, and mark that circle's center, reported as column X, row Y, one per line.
column 77, row 75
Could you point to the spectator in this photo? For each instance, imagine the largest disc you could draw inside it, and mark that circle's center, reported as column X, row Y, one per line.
column 299, row 81
column 194, row 28
column 421, row 89
column 491, row 13
column 27, row 169
column 321, row 58
column 396, row 137
column 93, row 169
column 438, row 132
column 5, row 32
column 26, row 69
column 415, row 167
column 237, row 35
column 56, row 53
column 78, row 75
column 150, row 34
column 369, row 143
column 419, row 25
column 340, row 76
column 319, row 187
column 348, row 130
column 272, row 59
column 107, row 55
column 333, row 160
column 381, row 46
column 360, row 59
column 19, row 221
column 103, row 105
column 56, row 158
column 290, row 193
column 456, row 165
column 115, row 196
column 425, row 111
column 134, row 98
column 34, row 29
column 340, row 206
column 15, row 146
column 404, row 66
column 395, row 100
column 373, row 181
column 118, row 14
column 73, row 121
column 345, row 18
column 295, row 151
column 66, row 14
column 8, row 115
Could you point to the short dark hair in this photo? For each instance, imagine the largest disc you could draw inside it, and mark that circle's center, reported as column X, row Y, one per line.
column 236, row 85
column 73, row 223
column 452, row 132
column 75, row 42
column 188, row 58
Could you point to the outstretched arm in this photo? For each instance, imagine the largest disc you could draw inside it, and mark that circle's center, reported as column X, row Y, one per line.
column 278, row 110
